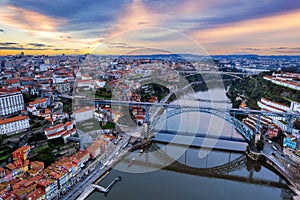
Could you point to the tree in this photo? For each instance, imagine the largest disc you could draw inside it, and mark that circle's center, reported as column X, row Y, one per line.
column 297, row 124
column 46, row 157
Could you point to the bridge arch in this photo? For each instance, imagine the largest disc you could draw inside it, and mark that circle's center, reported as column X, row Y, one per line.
column 231, row 166
column 241, row 128
column 232, row 74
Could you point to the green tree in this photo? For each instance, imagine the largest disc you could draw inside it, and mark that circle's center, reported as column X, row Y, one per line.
column 46, row 157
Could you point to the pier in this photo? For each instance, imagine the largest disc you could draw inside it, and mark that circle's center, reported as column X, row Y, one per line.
column 107, row 189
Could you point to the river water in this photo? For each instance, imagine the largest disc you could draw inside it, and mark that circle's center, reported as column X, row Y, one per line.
column 146, row 179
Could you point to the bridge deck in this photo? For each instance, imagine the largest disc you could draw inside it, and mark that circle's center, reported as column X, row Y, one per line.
column 218, row 144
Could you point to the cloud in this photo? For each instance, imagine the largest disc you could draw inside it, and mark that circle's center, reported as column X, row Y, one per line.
column 273, row 50
column 65, row 37
column 20, row 48
column 36, row 44
column 219, row 24
column 80, row 15
column 61, row 49
column 31, row 22
column 233, row 11
column 257, row 29
column 8, row 43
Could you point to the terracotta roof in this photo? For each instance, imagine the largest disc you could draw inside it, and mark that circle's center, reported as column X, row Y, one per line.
column 37, row 194
column 22, row 149
column 54, row 127
column 12, row 119
column 68, row 123
column 84, row 81
column 9, row 91
column 84, row 109
column 11, row 81
column 57, row 133
column 38, row 101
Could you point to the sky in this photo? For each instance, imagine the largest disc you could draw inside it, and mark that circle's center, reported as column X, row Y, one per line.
column 212, row 27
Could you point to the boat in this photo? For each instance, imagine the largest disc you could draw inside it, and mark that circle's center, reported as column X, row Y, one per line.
column 132, row 160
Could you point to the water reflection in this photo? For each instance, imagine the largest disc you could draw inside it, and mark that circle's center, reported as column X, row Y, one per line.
column 250, row 181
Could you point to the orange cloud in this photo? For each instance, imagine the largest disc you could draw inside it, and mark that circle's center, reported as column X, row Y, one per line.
column 31, row 22
column 279, row 23
column 136, row 15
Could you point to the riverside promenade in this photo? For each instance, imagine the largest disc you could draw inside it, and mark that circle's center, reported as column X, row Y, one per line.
column 99, row 174
column 271, row 158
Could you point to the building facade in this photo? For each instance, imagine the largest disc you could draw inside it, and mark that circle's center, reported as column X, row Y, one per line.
column 83, row 114
column 11, row 102
column 14, row 125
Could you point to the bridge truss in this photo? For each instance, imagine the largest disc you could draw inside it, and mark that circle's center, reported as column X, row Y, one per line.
column 246, row 132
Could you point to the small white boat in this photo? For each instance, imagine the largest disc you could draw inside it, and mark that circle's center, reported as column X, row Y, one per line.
column 132, row 160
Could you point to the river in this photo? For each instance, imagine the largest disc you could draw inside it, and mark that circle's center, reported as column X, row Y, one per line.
column 145, row 179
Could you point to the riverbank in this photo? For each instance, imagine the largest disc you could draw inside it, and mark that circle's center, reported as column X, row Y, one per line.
column 277, row 166
column 89, row 190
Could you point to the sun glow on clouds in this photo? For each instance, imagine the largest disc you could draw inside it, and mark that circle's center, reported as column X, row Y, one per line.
column 35, row 27
column 31, row 22
column 223, row 31
column 262, row 32
column 136, row 15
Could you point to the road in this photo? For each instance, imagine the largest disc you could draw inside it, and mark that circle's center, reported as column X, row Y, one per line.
column 281, row 162
column 98, row 170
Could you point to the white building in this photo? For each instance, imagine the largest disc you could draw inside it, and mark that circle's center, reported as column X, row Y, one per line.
column 284, row 81
column 280, row 107
column 63, row 88
column 14, row 125
column 33, row 110
column 41, row 102
column 85, row 83
column 83, row 114
column 44, row 67
column 100, row 83
column 11, row 102
column 61, row 130
column 295, row 106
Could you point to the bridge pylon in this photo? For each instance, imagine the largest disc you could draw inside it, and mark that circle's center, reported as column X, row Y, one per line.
column 145, row 131
column 290, row 124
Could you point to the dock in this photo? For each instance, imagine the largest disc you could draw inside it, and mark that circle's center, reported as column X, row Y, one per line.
column 108, row 188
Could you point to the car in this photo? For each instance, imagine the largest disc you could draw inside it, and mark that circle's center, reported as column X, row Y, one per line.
column 269, row 141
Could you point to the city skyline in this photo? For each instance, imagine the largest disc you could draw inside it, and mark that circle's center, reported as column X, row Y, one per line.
column 220, row 27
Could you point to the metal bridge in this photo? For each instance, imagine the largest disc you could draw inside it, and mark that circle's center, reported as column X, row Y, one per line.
column 241, row 127
column 226, row 113
column 237, row 75
column 174, row 109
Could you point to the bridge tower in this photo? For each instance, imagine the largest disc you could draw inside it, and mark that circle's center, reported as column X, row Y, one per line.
column 290, row 124
column 145, row 131
column 257, row 129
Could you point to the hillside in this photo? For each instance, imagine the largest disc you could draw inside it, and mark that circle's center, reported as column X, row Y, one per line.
column 253, row 88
